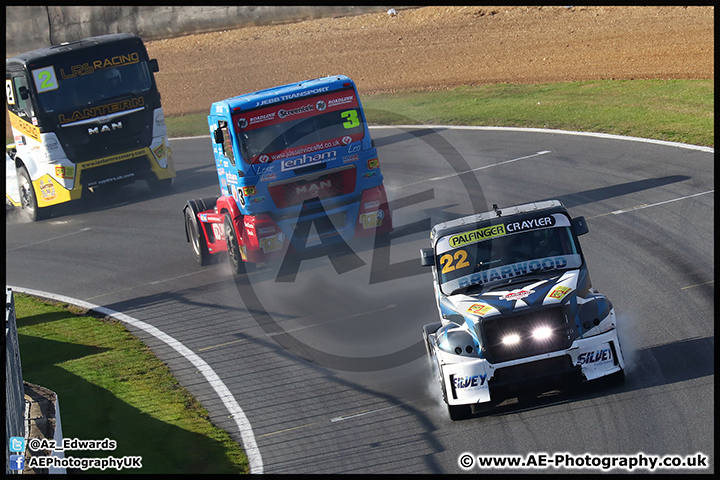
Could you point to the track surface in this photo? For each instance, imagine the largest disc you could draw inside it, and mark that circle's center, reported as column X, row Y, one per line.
column 327, row 363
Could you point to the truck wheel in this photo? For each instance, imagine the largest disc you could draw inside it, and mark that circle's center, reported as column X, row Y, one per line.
column 27, row 196
column 197, row 239
column 159, row 186
column 459, row 412
column 233, row 247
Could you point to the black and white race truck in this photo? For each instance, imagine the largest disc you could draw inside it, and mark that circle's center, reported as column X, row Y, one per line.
column 517, row 309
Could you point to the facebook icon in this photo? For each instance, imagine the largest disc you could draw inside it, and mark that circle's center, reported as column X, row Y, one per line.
column 17, row 462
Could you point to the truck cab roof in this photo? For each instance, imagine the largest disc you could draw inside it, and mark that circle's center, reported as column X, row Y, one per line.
column 43, row 53
column 272, row 95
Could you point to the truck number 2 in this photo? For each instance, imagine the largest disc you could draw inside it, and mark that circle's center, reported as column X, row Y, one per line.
column 447, row 261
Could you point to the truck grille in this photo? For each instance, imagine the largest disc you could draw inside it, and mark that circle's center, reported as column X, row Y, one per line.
column 510, row 338
column 295, row 191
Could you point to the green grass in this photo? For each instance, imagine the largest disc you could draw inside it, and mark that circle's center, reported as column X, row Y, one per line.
column 671, row 110
column 110, row 385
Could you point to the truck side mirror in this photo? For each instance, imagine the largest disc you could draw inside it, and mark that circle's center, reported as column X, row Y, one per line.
column 579, row 226
column 427, row 257
column 218, row 136
column 153, row 65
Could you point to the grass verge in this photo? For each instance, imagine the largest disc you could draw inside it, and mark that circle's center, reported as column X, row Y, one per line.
column 670, row 110
column 110, row 385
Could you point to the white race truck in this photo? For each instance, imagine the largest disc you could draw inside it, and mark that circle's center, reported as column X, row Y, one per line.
column 517, row 310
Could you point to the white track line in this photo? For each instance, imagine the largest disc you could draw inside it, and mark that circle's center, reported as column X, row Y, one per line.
column 246, row 431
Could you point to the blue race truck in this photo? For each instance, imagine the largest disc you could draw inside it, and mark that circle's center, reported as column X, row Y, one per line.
column 288, row 158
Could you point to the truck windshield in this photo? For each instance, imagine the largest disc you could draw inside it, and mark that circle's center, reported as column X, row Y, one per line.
column 500, row 253
column 300, row 127
column 70, row 91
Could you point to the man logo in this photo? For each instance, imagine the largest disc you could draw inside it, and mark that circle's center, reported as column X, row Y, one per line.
column 105, row 128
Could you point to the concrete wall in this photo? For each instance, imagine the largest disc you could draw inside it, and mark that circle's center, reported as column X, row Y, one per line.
column 32, row 27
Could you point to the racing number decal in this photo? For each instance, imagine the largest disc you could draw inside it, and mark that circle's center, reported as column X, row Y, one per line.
column 352, row 118
column 9, row 92
column 459, row 256
column 45, row 79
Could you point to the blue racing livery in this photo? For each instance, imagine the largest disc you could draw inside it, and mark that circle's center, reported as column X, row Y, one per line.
column 287, row 158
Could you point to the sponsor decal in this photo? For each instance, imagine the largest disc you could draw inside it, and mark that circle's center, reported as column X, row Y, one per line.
column 476, row 235
column 115, row 158
column 305, row 160
column 518, row 295
column 351, row 158
column 231, row 178
column 373, row 163
column 25, row 128
column 479, row 309
column 263, row 158
column 272, row 244
column 531, row 224
column 473, row 381
column 282, row 113
column 62, row 171
column 282, row 98
column 560, row 292
column 514, row 270
column 341, row 101
column 160, row 151
column 99, row 111
column 268, row 176
column 258, row 200
column 47, row 189
column 598, row 356
column 372, row 219
column 211, row 218
column 258, row 119
column 218, row 231
column 321, row 105
column 100, row 64
column 249, row 191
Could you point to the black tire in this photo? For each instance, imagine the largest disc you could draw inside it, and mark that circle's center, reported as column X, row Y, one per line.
column 28, row 200
column 196, row 237
column 233, row 249
column 459, row 412
column 159, row 186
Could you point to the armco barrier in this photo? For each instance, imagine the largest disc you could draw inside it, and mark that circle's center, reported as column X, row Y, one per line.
column 14, row 391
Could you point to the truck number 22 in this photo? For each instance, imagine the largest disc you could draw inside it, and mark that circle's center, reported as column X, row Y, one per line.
column 447, row 261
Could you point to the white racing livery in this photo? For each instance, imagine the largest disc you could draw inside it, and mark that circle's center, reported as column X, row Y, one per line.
column 516, row 305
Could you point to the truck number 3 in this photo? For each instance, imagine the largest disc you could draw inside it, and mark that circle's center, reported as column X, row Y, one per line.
column 351, row 117
column 460, row 259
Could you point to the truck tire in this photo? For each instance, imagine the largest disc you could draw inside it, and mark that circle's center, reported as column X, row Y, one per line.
column 159, row 186
column 233, row 248
column 194, row 234
column 459, row 412
column 28, row 199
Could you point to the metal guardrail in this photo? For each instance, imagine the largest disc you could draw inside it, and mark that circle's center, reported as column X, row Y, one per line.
column 14, row 390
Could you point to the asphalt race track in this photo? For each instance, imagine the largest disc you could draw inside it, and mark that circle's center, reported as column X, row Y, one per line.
column 323, row 355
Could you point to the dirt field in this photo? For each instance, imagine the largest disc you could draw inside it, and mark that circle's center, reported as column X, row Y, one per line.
column 440, row 47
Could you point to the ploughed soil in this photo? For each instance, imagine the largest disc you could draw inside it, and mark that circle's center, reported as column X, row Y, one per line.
column 431, row 48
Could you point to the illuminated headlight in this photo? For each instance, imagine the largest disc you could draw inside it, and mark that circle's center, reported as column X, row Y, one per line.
column 542, row 333
column 512, row 339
